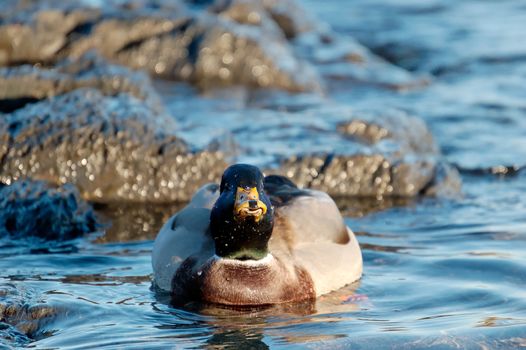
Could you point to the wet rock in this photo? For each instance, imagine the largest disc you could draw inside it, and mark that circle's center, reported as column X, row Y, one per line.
column 208, row 51
column 253, row 43
column 255, row 58
column 166, row 41
column 359, row 175
column 374, row 126
column 110, row 148
column 284, row 18
column 337, row 58
column 390, row 155
column 497, row 170
column 11, row 338
column 38, row 32
column 244, row 42
column 322, row 144
column 164, row 45
column 37, row 208
column 22, row 318
column 22, row 84
column 290, row 17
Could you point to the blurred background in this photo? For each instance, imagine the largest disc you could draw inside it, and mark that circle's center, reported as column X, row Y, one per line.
column 410, row 114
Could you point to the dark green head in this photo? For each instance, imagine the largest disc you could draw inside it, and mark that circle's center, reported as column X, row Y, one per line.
column 242, row 218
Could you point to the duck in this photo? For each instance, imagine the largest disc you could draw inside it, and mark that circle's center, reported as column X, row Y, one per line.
column 255, row 240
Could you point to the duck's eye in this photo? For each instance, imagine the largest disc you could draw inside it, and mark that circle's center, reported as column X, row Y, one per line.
column 242, row 197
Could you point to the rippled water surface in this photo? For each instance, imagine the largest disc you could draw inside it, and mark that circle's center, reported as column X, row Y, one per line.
column 439, row 273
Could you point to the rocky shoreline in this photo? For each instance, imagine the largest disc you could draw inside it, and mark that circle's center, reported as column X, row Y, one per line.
column 79, row 106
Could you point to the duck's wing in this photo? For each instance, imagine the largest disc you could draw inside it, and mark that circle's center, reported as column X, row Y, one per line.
column 331, row 265
column 185, row 234
column 309, row 215
column 281, row 190
column 310, row 231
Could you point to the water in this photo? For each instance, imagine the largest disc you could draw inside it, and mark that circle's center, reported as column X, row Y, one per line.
column 440, row 273
column 472, row 51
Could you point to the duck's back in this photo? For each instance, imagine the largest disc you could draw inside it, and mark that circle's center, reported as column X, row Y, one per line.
column 311, row 231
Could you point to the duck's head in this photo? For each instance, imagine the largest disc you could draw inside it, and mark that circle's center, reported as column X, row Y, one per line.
column 242, row 218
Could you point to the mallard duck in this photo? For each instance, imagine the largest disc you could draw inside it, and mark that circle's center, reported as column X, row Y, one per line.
column 255, row 240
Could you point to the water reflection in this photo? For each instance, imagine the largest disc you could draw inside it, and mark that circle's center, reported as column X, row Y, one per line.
column 127, row 222
column 250, row 327
column 362, row 206
column 236, row 339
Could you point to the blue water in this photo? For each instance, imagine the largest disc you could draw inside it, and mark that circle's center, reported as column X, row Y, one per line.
column 442, row 273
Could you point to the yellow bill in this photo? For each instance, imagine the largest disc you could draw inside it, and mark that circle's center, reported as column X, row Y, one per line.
column 248, row 204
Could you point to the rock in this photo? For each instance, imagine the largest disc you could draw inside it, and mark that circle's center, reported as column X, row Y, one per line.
column 383, row 127
column 11, row 338
column 253, row 43
column 39, row 31
column 337, row 58
column 37, row 208
column 283, row 18
column 167, row 41
column 249, row 56
column 361, row 175
column 290, row 17
column 389, row 155
column 115, row 147
column 21, row 317
column 111, row 147
column 22, row 84
column 207, row 51
column 163, row 45
column 319, row 143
